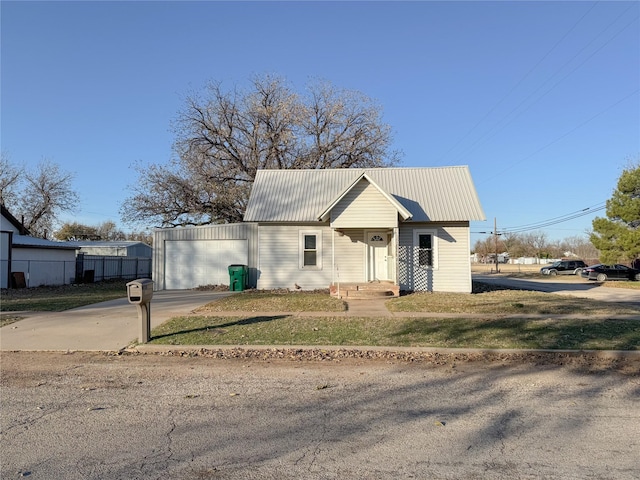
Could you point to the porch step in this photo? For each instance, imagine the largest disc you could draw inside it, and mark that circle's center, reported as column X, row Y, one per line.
column 367, row 293
column 365, row 290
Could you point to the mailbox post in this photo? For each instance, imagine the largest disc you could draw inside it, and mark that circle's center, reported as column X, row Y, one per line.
column 139, row 293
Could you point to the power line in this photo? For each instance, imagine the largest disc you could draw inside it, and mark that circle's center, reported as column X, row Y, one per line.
column 598, row 205
column 548, row 224
column 566, row 134
column 499, row 126
column 551, row 221
column 519, row 82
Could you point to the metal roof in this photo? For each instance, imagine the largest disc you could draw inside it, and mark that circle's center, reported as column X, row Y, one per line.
column 431, row 194
column 105, row 243
column 27, row 241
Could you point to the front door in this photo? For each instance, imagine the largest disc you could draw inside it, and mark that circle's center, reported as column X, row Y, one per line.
column 377, row 252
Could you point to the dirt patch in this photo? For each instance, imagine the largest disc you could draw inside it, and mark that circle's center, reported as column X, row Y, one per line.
column 29, row 368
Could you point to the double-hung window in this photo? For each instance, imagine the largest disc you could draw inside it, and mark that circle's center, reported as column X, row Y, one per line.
column 425, row 245
column 310, row 250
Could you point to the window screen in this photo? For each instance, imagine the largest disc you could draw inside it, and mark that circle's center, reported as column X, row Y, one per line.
column 425, row 250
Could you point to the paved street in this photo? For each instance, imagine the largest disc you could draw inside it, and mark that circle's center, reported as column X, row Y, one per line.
column 577, row 288
column 92, row 416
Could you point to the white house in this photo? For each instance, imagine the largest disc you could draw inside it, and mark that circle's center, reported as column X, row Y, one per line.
column 30, row 261
column 308, row 229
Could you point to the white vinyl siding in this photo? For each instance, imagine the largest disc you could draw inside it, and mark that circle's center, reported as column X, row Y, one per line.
column 350, row 256
column 279, row 258
column 453, row 272
column 364, row 207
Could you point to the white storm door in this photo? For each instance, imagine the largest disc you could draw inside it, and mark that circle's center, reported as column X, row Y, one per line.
column 377, row 250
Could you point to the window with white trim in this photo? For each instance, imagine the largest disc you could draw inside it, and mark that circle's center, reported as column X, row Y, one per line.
column 425, row 243
column 310, row 256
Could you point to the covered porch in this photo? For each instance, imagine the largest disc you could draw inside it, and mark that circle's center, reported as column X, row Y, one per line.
column 364, row 263
column 364, row 222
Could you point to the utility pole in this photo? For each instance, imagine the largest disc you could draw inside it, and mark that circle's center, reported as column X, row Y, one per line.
column 495, row 241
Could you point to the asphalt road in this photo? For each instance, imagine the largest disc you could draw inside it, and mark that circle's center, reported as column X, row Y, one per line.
column 92, row 416
column 571, row 286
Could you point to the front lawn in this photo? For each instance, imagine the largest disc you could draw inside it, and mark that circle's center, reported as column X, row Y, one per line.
column 506, row 302
column 584, row 333
column 593, row 329
column 58, row 299
column 253, row 301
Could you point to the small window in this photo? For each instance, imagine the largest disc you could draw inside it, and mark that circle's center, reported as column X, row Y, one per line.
column 310, row 250
column 426, row 251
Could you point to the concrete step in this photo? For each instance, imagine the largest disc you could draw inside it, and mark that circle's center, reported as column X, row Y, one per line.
column 365, row 290
column 367, row 293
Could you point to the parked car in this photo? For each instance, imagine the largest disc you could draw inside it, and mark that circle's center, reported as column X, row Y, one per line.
column 564, row 267
column 602, row 272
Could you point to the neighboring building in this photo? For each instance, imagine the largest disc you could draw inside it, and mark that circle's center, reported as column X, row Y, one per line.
column 113, row 248
column 115, row 259
column 30, row 261
column 311, row 229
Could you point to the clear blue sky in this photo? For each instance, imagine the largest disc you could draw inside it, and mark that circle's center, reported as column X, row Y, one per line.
column 540, row 99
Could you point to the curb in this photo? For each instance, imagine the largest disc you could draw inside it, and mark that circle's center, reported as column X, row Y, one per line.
column 194, row 349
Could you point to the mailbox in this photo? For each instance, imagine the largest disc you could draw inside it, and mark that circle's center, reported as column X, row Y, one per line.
column 140, row 291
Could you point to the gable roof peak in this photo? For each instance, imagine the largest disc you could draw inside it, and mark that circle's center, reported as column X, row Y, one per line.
column 404, row 213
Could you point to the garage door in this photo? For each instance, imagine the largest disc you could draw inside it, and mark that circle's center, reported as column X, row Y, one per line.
column 189, row 264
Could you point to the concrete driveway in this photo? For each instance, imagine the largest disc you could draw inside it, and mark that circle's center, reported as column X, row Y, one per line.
column 586, row 289
column 102, row 326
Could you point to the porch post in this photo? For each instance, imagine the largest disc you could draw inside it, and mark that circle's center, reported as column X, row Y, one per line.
column 396, row 251
column 333, row 256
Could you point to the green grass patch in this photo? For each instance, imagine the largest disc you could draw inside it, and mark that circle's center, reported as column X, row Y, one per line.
column 506, row 302
column 276, row 302
column 597, row 334
column 58, row 299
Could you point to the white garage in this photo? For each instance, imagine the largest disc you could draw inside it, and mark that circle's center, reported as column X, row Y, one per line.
column 185, row 258
column 189, row 264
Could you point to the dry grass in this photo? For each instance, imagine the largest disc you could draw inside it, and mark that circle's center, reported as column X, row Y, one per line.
column 252, row 301
column 593, row 329
column 506, row 302
column 578, row 334
column 58, row 299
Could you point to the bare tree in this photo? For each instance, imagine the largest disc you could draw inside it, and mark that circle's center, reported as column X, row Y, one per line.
column 109, row 231
column 582, row 247
column 9, row 180
column 535, row 244
column 39, row 196
column 223, row 139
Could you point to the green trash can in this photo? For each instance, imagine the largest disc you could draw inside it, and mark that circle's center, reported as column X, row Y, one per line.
column 238, row 276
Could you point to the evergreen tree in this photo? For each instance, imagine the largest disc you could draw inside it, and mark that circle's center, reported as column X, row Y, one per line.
column 618, row 236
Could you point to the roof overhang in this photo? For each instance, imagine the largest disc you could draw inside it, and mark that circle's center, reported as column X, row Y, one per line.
column 403, row 212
